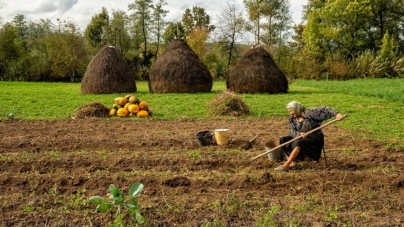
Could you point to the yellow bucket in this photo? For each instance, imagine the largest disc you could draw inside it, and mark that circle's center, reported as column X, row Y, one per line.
column 222, row 136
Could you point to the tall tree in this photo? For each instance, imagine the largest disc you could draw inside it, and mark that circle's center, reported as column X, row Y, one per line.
column 97, row 31
column 256, row 12
column 278, row 20
column 231, row 25
column 21, row 28
column 197, row 19
column 388, row 17
column 311, row 6
column 141, row 21
column 159, row 23
column 338, row 27
column 8, row 51
column 68, row 52
column 119, row 27
column 173, row 30
column 39, row 68
column 197, row 41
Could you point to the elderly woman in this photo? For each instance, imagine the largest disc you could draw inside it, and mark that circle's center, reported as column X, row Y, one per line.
column 301, row 121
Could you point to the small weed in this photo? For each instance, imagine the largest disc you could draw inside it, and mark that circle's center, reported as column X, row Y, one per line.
column 195, row 155
column 216, row 223
column 269, row 219
column 77, row 201
column 28, row 208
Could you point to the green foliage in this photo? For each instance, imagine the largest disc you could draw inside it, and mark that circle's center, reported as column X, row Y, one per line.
column 347, row 29
column 387, row 49
column 398, row 67
column 159, row 24
column 196, row 19
column 120, row 37
column 269, row 219
column 67, row 59
column 124, row 206
column 172, row 31
column 97, row 33
column 231, row 26
column 142, row 19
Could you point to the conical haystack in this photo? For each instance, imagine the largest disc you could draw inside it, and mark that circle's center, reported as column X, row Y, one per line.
column 256, row 72
column 108, row 73
column 179, row 70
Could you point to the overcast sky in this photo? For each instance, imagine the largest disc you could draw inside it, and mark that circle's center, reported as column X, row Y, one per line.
column 81, row 11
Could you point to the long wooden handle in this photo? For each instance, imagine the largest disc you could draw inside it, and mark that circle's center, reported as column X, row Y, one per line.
column 299, row 137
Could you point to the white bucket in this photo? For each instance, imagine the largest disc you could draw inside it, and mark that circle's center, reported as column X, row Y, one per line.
column 273, row 155
column 222, row 136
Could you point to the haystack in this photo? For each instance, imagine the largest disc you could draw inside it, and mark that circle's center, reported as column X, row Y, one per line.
column 179, row 70
column 108, row 73
column 92, row 109
column 227, row 103
column 256, row 72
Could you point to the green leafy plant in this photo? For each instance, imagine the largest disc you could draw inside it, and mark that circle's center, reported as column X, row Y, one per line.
column 269, row 219
column 124, row 207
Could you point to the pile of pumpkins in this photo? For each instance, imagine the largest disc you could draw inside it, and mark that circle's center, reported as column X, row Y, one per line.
column 129, row 106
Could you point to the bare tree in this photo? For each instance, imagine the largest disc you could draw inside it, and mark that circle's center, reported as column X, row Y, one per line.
column 231, row 26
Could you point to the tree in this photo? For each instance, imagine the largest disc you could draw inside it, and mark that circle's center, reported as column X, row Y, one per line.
column 388, row 17
column 231, row 26
column 197, row 19
column 141, row 22
column 338, row 28
column 39, row 65
column 68, row 52
column 278, row 20
column 311, row 6
column 387, row 49
column 197, row 41
column 255, row 12
column 120, row 37
column 8, row 51
column 97, row 31
column 173, row 30
column 158, row 22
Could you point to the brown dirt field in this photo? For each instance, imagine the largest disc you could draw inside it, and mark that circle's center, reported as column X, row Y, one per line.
column 49, row 169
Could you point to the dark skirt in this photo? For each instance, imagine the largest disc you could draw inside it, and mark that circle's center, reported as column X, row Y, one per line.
column 310, row 146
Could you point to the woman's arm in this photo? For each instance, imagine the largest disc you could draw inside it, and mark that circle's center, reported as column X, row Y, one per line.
column 322, row 113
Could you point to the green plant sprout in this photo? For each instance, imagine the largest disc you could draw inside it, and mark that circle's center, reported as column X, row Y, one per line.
column 10, row 116
column 123, row 206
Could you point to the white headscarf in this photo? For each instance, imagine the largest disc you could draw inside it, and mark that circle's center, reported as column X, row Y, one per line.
column 297, row 107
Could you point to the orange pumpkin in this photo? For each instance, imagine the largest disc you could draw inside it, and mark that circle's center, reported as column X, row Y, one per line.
column 120, row 101
column 142, row 113
column 143, row 106
column 133, row 108
column 134, row 100
column 128, row 96
column 126, row 105
column 112, row 112
column 116, row 106
column 122, row 112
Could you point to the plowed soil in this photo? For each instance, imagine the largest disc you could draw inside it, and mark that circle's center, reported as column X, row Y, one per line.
column 49, row 169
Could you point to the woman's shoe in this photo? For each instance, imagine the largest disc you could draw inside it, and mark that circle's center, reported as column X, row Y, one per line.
column 280, row 168
column 295, row 166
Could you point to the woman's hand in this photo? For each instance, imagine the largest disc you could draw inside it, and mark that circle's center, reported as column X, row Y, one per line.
column 304, row 135
column 339, row 117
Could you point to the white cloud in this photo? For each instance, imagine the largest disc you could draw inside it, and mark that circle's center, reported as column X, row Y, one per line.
column 81, row 11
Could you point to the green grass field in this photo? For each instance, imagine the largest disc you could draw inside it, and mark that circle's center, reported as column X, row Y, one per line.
column 375, row 107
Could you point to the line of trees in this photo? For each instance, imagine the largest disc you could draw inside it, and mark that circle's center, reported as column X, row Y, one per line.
column 338, row 39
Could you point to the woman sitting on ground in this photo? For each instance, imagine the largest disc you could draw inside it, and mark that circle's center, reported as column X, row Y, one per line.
column 301, row 121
